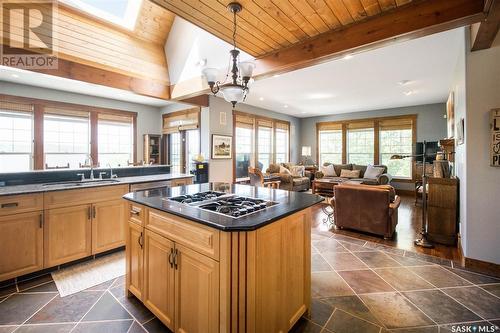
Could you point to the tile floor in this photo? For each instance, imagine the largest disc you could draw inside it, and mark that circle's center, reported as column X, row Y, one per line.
column 357, row 287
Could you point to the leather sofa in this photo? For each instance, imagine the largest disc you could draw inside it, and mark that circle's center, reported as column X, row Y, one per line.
column 367, row 208
column 289, row 182
column 383, row 179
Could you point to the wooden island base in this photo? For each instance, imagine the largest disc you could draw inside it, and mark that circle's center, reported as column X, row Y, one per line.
column 195, row 278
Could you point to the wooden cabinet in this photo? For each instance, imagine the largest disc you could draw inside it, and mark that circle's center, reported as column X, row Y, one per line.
column 196, row 292
column 159, row 275
column 108, row 227
column 442, row 206
column 21, row 239
column 67, row 234
column 135, row 259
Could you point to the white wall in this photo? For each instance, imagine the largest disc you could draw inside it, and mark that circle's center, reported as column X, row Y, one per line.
column 148, row 117
column 483, row 181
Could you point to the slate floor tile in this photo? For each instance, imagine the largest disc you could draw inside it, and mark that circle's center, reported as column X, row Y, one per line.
column 402, row 279
column 439, row 277
column 136, row 328
column 136, row 308
column 349, row 239
column 320, row 312
column 29, row 284
column 365, row 281
column 19, row 307
column 7, row 329
column 353, row 305
column 343, row 261
column 43, row 288
column 328, row 284
column 52, row 328
column 66, row 309
column 107, row 308
column 394, row 311
column 342, row 322
column 318, row 264
column 156, row 326
column 493, row 288
column 377, row 259
column 429, row 329
column 121, row 326
column 477, row 300
column 102, row 286
column 353, row 247
column 305, row 326
column 118, row 291
column 473, row 277
column 441, row 308
column 428, row 258
column 329, row 245
column 407, row 261
column 7, row 290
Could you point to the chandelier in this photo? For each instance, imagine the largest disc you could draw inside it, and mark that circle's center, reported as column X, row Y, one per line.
column 237, row 89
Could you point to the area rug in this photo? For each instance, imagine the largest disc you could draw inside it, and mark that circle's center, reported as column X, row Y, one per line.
column 88, row 274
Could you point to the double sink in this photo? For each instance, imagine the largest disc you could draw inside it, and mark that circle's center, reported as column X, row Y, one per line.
column 78, row 183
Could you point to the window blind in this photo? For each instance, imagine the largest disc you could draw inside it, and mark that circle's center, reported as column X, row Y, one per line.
column 329, row 126
column 16, row 107
column 181, row 121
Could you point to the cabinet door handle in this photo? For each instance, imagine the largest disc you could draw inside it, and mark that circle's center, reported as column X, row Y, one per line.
column 40, row 221
column 93, row 212
column 89, row 214
column 176, row 254
column 135, row 212
column 9, row 204
column 170, row 259
column 139, row 240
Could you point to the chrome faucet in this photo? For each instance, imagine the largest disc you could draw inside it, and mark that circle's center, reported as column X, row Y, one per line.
column 111, row 175
column 91, row 162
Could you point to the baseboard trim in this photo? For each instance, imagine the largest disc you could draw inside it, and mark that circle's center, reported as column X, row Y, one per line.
column 483, row 267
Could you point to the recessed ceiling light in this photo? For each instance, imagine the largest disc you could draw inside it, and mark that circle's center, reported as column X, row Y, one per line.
column 14, row 75
column 276, row 75
column 404, row 82
column 261, row 98
column 347, row 56
column 285, row 106
column 408, row 93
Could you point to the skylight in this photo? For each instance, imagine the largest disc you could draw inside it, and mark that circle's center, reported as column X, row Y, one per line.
column 121, row 12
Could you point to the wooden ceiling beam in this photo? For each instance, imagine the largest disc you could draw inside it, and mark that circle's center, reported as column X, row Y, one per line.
column 415, row 19
column 488, row 29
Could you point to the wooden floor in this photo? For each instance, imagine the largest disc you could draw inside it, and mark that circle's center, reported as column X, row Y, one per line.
column 407, row 230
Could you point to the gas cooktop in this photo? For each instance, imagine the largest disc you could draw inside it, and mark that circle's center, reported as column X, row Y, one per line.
column 223, row 203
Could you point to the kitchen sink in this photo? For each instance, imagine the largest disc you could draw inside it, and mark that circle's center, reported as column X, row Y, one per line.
column 80, row 183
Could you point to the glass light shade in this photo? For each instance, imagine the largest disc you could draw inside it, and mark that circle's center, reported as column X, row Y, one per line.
column 210, row 74
column 233, row 92
column 246, row 68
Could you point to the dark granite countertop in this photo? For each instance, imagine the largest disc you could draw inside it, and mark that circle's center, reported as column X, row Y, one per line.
column 37, row 188
column 288, row 203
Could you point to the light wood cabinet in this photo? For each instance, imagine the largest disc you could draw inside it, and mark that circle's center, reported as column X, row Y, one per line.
column 196, row 292
column 67, row 234
column 135, row 259
column 21, row 239
column 159, row 275
column 108, row 227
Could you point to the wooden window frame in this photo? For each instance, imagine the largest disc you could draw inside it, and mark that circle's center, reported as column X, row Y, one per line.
column 39, row 106
column 376, row 142
column 255, row 152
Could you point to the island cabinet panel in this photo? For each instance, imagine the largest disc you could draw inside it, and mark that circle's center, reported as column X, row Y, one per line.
column 196, row 292
column 136, row 213
column 159, row 275
column 67, row 234
column 15, row 204
column 108, row 228
column 135, row 259
column 194, row 235
column 21, row 239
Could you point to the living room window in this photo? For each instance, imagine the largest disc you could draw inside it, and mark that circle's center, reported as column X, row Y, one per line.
column 369, row 141
column 258, row 142
column 396, row 138
column 16, row 137
column 330, row 144
column 115, row 140
column 66, row 138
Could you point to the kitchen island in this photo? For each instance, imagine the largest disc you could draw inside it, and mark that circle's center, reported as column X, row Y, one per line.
column 221, row 258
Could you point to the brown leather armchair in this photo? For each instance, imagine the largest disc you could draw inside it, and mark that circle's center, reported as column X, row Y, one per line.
column 368, row 208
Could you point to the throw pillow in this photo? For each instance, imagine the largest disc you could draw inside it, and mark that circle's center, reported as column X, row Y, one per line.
column 373, row 172
column 328, row 171
column 298, row 171
column 344, row 173
column 284, row 170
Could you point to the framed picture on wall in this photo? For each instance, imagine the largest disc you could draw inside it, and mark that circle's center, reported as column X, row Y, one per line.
column 495, row 138
column 222, row 146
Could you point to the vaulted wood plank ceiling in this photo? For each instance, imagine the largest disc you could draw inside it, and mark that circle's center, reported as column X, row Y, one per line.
column 265, row 26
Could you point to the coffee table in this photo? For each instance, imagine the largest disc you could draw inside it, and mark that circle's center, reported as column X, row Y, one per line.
column 324, row 186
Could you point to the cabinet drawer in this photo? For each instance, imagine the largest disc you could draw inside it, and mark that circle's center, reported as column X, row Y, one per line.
column 136, row 213
column 14, row 204
column 84, row 196
column 150, row 185
column 200, row 238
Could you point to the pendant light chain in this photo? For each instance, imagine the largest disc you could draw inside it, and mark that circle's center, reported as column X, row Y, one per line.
column 234, row 29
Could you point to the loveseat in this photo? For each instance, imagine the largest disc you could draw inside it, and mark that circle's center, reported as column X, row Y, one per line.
column 288, row 181
column 382, row 179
